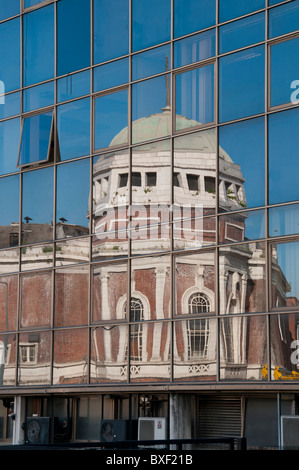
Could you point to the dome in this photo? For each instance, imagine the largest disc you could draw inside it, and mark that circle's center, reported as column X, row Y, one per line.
column 159, row 125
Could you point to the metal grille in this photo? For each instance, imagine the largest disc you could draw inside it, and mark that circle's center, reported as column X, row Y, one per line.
column 219, row 417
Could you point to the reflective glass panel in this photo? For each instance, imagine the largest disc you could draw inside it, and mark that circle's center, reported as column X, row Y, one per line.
column 10, row 258
column 284, row 72
column 9, row 211
column 10, row 55
column 72, row 250
column 38, row 45
column 110, row 284
column 283, row 19
column 31, row 3
column 151, row 109
column 70, row 356
column 36, row 296
column 111, row 119
column 243, row 355
column 73, row 190
column 37, row 212
column 38, row 97
column 284, row 220
column 110, row 75
column 194, row 48
column 71, row 296
column 283, row 185
column 151, row 198
column 192, row 15
column 111, row 197
column 34, row 358
column 150, row 287
column 229, row 9
column 242, row 278
column 195, row 97
column 242, row 87
column 284, row 347
column 284, row 276
column 242, row 33
column 8, row 9
column 8, row 356
column 8, row 302
column 73, row 86
column 242, row 165
column 242, row 226
column 194, row 184
column 151, row 62
column 36, row 256
column 36, row 138
column 195, row 232
column 9, row 145
column 149, row 349
column 151, row 23
column 195, row 283
column 111, row 29
column 10, row 106
column 73, row 126
column 109, row 353
column 195, row 350
column 73, row 49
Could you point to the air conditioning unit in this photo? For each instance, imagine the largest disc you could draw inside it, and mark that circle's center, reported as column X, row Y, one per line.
column 113, row 430
column 37, row 430
column 152, row 429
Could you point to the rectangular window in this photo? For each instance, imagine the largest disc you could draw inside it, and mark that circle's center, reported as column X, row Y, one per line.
column 284, row 72
column 193, row 182
column 10, row 55
column 151, row 109
column 283, row 156
column 151, row 23
column 73, row 35
column 198, row 337
column 193, row 15
column 229, row 9
column 151, row 62
column 111, row 119
column 111, row 29
column 36, row 138
column 195, row 48
column 73, row 128
column 194, row 95
column 38, row 45
column 28, row 353
column 123, row 180
column 73, row 86
column 111, row 75
column 284, row 277
column 242, row 33
column 283, row 19
column 151, row 179
column 39, row 96
column 136, row 179
column 9, row 9
column 242, row 84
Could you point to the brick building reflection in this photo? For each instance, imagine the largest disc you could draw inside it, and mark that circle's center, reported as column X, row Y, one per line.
column 152, row 316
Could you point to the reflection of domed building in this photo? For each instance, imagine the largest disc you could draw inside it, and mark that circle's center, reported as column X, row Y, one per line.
column 146, row 206
column 155, row 213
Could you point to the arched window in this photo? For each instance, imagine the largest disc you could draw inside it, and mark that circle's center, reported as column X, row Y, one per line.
column 198, row 329
column 199, row 303
column 137, row 316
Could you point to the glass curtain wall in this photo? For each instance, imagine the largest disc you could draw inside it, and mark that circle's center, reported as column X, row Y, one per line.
column 149, row 204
